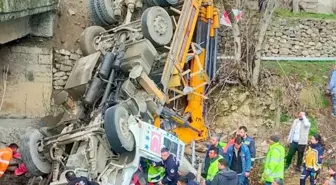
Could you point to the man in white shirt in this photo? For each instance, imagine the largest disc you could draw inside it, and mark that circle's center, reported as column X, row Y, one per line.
column 298, row 140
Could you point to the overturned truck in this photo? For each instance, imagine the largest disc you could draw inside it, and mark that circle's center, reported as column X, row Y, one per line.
column 121, row 94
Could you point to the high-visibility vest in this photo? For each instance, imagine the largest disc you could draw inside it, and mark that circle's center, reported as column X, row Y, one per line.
column 213, row 168
column 275, row 163
column 156, row 174
column 6, row 154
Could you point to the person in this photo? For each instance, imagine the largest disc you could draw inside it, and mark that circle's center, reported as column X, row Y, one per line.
column 171, row 165
column 231, row 142
column 248, row 141
column 214, row 141
column 332, row 89
column 277, row 181
column 312, row 160
column 183, row 180
column 73, row 180
column 213, row 167
column 6, row 154
column 298, row 139
column 239, row 158
column 332, row 174
column 274, row 165
column 225, row 175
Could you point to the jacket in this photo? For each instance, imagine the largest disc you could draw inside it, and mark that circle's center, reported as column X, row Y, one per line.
column 249, row 142
column 245, row 157
column 220, row 147
column 213, row 168
column 82, row 181
column 332, row 83
column 304, row 131
column 6, row 154
column 171, row 166
column 275, row 163
column 313, row 157
column 230, row 143
column 225, row 177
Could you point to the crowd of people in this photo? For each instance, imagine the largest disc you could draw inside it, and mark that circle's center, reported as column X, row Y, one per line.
column 227, row 163
column 231, row 163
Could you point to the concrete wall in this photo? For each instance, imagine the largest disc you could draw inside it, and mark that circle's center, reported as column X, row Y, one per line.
column 29, row 84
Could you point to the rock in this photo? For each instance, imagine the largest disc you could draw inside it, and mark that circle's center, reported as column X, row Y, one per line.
column 311, row 43
column 233, row 107
column 65, row 52
column 54, row 70
column 65, row 68
column 275, row 51
column 271, row 40
column 200, row 147
column 59, row 74
column 58, row 87
column 245, row 110
column 218, row 131
column 64, row 77
column 79, row 52
column 74, row 57
column 71, row 12
column 242, row 97
column 305, row 53
column 59, row 82
column 284, row 51
column 67, row 62
column 57, row 66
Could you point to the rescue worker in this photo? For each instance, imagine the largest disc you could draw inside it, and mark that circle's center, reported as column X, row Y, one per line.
column 213, row 167
column 274, row 165
column 248, row 141
column 6, row 154
column 183, row 180
column 298, row 139
column 231, row 142
column 332, row 174
column 73, row 180
column 225, row 175
column 312, row 160
column 171, row 165
column 214, row 141
column 239, row 158
column 156, row 174
column 332, row 89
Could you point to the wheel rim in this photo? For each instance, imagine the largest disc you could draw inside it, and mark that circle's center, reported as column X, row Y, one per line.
column 160, row 25
column 125, row 131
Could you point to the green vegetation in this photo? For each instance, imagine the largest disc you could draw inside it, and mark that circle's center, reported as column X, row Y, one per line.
column 316, row 73
column 287, row 13
column 284, row 118
column 313, row 128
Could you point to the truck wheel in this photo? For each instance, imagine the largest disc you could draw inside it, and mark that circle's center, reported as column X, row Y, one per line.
column 87, row 39
column 104, row 9
column 94, row 15
column 116, row 128
column 157, row 26
column 36, row 163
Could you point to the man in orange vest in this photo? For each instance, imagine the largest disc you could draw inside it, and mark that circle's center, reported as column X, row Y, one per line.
column 6, row 154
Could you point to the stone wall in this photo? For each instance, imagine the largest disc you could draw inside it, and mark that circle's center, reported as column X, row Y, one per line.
column 291, row 37
column 64, row 60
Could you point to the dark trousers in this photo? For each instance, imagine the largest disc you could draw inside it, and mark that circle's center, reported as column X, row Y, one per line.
column 242, row 180
column 293, row 148
column 334, row 104
column 308, row 173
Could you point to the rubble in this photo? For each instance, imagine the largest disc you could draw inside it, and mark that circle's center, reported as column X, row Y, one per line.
column 63, row 62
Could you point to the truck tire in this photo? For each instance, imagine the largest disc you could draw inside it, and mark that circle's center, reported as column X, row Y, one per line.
column 36, row 164
column 86, row 39
column 104, row 9
column 157, row 26
column 94, row 15
column 116, row 128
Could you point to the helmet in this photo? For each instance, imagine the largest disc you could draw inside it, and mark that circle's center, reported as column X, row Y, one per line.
column 70, row 175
